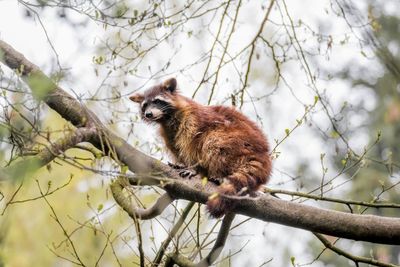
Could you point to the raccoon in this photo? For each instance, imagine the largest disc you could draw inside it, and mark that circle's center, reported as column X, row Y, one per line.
column 219, row 142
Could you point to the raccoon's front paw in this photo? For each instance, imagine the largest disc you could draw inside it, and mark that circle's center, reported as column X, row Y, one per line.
column 183, row 171
column 187, row 173
column 176, row 166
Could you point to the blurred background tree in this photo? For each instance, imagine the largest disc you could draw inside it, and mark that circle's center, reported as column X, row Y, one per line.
column 376, row 114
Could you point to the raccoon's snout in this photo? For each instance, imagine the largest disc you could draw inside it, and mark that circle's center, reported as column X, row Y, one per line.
column 153, row 114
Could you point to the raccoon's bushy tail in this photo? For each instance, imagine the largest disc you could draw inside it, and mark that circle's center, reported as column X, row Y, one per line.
column 247, row 178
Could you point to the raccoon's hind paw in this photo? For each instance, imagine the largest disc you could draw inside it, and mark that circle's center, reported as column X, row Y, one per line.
column 218, row 205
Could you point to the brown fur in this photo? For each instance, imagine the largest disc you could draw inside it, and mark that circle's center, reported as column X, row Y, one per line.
column 224, row 145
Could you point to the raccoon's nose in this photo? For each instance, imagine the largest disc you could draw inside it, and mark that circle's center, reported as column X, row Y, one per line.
column 148, row 114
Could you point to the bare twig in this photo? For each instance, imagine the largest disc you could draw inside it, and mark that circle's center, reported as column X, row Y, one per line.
column 330, row 199
column 172, row 234
column 253, row 46
column 75, row 252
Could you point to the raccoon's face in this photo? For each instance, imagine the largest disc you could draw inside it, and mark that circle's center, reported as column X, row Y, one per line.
column 156, row 103
column 156, row 109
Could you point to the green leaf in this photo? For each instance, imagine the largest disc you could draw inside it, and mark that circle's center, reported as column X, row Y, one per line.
column 100, row 207
column 292, row 260
column 41, row 86
column 48, row 167
column 124, row 169
column 363, row 53
column 379, row 134
column 21, row 169
column 335, row 134
column 99, row 60
column 131, row 21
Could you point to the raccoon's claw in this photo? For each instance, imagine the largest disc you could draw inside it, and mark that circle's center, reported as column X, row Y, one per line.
column 214, row 180
column 176, row 166
column 187, row 173
column 183, row 171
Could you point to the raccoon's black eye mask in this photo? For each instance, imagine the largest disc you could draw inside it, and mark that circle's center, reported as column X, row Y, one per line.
column 144, row 106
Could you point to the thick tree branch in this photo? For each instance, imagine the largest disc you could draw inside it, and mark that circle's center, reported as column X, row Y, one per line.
column 134, row 212
column 179, row 260
column 219, row 243
column 358, row 227
column 376, row 229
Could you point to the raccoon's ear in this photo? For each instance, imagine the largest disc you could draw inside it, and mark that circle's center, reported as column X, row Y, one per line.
column 138, row 98
column 170, row 85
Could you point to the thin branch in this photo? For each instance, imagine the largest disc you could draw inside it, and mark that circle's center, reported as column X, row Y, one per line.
column 75, row 252
column 349, row 256
column 172, row 234
column 330, row 199
column 210, row 58
column 225, row 47
column 140, row 241
column 253, row 46
column 49, row 192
